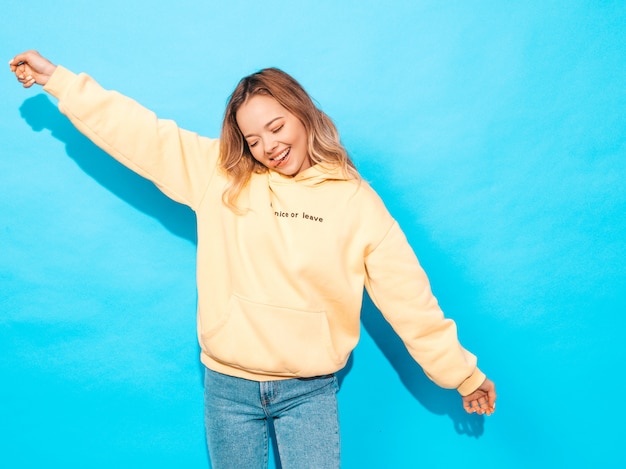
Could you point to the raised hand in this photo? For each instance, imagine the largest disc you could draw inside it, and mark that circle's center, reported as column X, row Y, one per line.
column 30, row 68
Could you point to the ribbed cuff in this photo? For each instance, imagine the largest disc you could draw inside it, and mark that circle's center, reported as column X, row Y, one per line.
column 58, row 81
column 472, row 383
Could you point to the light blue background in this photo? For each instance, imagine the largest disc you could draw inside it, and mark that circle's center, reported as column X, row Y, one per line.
column 496, row 133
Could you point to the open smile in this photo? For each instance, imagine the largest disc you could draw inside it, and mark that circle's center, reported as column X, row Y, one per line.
column 281, row 158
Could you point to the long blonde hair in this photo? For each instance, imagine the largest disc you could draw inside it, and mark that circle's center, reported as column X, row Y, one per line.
column 237, row 161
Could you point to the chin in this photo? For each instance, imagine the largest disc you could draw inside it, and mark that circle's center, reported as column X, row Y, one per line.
column 288, row 172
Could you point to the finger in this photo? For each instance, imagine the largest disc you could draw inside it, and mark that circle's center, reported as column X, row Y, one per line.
column 23, row 77
column 15, row 62
column 22, row 57
column 491, row 395
column 21, row 70
column 490, row 408
column 468, row 407
column 470, row 403
column 479, row 406
column 485, row 406
column 28, row 82
column 491, row 398
column 475, row 406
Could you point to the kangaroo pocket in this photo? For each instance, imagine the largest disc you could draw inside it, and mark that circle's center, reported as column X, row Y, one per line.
column 272, row 340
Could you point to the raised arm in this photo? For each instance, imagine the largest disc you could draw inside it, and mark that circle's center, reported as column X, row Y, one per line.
column 179, row 162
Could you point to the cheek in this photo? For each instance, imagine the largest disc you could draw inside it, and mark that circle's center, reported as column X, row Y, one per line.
column 303, row 135
column 256, row 153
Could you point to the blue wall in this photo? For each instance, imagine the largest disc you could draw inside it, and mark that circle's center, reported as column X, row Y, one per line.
column 495, row 131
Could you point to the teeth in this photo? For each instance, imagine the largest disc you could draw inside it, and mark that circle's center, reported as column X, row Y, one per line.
column 282, row 155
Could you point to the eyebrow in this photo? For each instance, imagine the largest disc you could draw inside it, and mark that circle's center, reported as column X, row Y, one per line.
column 266, row 125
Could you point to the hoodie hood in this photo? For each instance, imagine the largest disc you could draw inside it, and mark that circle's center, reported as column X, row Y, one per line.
column 312, row 176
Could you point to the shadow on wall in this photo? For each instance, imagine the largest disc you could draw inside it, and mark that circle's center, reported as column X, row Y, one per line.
column 40, row 113
column 437, row 400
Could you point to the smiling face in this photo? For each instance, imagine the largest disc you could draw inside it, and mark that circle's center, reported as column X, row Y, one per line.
column 276, row 138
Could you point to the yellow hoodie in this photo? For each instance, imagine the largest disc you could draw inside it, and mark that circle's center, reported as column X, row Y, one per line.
column 280, row 287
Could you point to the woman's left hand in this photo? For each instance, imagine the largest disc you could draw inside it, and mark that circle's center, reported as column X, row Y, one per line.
column 483, row 400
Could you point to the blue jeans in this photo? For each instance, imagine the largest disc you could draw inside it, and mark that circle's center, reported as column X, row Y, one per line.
column 303, row 411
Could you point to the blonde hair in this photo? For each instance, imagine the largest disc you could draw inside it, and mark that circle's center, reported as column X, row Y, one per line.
column 237, row 161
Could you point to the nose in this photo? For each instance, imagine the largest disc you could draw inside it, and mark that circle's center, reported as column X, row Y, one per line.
column 270, row 146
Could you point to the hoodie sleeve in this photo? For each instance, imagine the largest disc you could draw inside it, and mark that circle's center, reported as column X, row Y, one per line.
column 398, row 286
column 178, row 162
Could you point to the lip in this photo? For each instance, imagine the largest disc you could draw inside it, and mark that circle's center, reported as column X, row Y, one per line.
column 282, row 157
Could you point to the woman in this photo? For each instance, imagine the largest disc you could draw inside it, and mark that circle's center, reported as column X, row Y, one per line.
column 288, row 236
